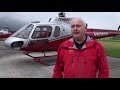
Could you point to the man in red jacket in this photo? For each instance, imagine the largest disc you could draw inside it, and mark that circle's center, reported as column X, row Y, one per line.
column 81, row 56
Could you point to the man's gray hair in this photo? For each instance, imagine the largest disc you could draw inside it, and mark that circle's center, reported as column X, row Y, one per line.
column 80, row 20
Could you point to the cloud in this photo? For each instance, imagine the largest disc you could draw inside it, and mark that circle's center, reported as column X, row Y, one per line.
column 103, row 20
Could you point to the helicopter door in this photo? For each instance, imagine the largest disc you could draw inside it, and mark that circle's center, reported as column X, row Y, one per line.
column 56, row 36
column 41, row 35
column 57, row 32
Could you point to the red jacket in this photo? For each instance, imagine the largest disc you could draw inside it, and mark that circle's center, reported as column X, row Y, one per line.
column 84, row 63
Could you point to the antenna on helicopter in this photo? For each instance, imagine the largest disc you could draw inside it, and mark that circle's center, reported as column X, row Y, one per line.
column 61, row 14
column 119, row 27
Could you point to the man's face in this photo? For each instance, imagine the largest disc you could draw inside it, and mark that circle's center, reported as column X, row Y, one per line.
column 78, row 28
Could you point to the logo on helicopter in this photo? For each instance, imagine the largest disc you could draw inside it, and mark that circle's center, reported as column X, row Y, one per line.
column 98, row 34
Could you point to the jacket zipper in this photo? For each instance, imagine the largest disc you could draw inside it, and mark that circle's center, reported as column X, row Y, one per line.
column 84, row 62
column 72, row 67
column 79, row 63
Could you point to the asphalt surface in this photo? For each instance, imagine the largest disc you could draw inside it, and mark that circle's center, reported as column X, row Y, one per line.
column 14, row 64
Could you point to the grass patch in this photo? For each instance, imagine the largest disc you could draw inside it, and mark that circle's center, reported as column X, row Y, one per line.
column 112, row 46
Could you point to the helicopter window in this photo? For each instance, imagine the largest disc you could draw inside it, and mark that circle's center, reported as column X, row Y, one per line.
column 5, row 29
column 57, row 32
column 25, row 34
column 42, row 32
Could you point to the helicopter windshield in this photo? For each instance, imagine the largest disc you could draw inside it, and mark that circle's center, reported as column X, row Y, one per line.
column 25, row 32
column 42, row 32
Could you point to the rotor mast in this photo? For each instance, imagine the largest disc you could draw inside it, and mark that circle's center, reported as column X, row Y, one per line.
column 61, row 14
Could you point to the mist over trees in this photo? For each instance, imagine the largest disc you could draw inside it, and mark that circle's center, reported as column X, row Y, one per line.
column 11, row 23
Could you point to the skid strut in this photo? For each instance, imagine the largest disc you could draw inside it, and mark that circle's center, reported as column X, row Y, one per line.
column 38, row 59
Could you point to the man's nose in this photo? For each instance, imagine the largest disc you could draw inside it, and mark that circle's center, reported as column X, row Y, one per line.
column 75, row 28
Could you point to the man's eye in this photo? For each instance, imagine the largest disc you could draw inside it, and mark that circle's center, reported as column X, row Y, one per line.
column 72, row 26
column 78, row 26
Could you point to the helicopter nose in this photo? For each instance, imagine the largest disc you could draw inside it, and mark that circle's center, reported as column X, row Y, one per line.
column 13, row 42
column 8, row 42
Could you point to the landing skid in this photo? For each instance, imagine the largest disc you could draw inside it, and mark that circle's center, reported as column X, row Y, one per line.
column 38, row 59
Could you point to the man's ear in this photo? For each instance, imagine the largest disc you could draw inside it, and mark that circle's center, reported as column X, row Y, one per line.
column 86, row 25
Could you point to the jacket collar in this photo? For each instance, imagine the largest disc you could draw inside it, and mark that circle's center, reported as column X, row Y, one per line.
column 88, row 39
column 89, row 42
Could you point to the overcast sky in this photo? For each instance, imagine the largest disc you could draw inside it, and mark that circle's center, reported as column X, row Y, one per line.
column 101, row 20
